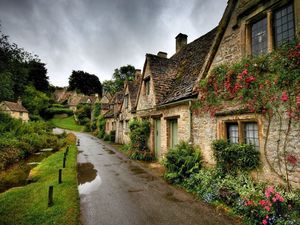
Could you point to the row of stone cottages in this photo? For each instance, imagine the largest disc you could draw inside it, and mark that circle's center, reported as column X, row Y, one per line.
column 166, row 89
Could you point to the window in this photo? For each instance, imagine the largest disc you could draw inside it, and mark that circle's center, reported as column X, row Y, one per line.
column 251, row 134
column 284, row 28
column 173, row 131
column 259, row 37
column 233, row 133
column 126, row 126
column 21, row 114
column 243, row 132
column 126, row 101
column 147, row 87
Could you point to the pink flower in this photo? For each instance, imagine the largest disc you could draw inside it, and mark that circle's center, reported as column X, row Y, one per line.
column 284, row 96
column 269, row 190
column 264, row 222
column 292, row 159
column 279, row 197
column 245, row 72
column 298, row 100
column 250, row 79
column 267, row 208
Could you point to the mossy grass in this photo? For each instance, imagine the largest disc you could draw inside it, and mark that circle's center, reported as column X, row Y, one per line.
column 67, row 123
column 29, row 204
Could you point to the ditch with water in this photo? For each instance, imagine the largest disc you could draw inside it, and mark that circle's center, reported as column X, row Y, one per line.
column 16, row 175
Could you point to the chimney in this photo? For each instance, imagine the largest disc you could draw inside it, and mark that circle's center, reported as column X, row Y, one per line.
column 181, row 40
column 162, row 54
column 19, row 101
column 138, row 74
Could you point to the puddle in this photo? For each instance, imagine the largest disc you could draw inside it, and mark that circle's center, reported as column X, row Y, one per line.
column 100, row 154
column 170, row 196
column 137, row 170
column 106, row 165
column 80, row 152
column 109, row 151
column 85, row 154
column 135, row 190
column 88, row 178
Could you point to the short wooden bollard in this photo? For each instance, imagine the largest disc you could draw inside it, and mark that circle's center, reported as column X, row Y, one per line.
column 67, row 150
column 59, row 176
column 64, row 162
column 50, row 196
column 78, row 142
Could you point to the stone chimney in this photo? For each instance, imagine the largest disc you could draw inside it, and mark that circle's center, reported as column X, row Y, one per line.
column 19, row 101
column 162, row 54
column 138, row 74
column 181, row 41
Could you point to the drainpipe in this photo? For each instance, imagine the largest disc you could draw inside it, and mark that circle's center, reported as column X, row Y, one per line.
column 191, row 123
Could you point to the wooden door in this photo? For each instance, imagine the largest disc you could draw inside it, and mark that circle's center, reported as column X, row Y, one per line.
column 157, row 137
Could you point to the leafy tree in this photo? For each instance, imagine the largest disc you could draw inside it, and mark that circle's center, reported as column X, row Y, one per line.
column 122, row 74
column 35, row 101
column 109, row 86
column 38, row 75
column 85, row 83
column 6, row 86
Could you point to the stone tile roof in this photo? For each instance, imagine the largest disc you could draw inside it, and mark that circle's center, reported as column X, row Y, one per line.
column 105, row 106
column 118, row 97
column 62, row 95
column 189, row 61
column 14, row 106
column 133, row 88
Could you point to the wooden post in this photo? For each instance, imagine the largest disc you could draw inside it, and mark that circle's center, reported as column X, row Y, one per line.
column 59, row 176
column 50, row 196
column 64, row 162
column 67, row 150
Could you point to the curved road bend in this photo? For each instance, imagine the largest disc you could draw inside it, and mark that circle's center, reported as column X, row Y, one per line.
column 116, row 191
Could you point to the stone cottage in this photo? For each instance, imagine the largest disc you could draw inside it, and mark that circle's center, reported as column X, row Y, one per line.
column 166, row 93
column 128, row 108
column 15, row 110
column 249, row 28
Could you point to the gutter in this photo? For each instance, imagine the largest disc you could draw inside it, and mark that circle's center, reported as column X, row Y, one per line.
column 176, row 103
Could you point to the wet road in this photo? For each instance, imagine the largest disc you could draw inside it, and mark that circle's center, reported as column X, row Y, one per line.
column 116, row 191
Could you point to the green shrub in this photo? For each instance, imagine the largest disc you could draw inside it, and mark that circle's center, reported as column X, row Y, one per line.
column 232, row 158
column 181, row 162
column 139, row 134
column 106, row 137
column 141, row 155
column 101, row 126
column 50, row 112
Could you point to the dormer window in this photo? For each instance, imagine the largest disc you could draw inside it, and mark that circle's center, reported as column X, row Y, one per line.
column 147, row 86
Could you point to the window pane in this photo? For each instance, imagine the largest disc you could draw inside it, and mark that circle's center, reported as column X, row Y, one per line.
column 251, row 134
column 259, row 37
column 233, row 133
column 284, row 25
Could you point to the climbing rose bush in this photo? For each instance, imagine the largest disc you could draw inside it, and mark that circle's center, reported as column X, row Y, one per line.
column 262, row 84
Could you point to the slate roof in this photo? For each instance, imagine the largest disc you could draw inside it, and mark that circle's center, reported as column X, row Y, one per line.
column 133, row 88
column 189, row 61
column 14, row 106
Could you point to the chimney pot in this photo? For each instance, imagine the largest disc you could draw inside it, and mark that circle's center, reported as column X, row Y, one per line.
column 181, row 41
column 162, row 54
column 19, row 101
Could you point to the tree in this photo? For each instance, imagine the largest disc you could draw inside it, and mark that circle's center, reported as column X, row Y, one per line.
column 122, row 74
column 6, row 86
column 34, row 101
column 109, row 86
column 85, row 83
column 37, row 75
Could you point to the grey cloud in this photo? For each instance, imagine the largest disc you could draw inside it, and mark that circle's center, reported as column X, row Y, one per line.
column 100, row 35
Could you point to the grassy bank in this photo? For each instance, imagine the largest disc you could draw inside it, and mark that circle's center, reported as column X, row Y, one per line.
column 28, row 204
column 67, row 123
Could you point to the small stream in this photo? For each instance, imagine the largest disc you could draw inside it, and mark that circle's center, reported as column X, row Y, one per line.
column 16, row 175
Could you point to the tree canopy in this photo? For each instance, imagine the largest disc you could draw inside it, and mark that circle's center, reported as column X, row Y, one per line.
column 119, row 77
column 85, row 83
column 18, row 69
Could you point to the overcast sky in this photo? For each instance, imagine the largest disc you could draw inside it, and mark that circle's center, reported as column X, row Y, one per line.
column 98, row 36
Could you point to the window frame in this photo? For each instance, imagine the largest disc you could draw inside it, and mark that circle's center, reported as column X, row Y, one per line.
column 147, row 86
column 126, row 101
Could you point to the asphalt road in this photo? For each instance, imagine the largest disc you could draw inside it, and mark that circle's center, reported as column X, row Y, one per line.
column 117, row 191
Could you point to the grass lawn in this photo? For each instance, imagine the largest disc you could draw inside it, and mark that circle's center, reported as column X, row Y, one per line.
column 29, row 204
column 67, row 123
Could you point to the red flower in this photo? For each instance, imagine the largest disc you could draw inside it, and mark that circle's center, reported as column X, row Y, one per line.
column 284, row 96
column 264, row 222
column 250, row 79
column 298, row 100
column 292, row 159
column 298, row 45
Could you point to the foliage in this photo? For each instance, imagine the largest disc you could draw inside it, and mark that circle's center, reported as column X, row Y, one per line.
column 18, row 69
column 101, row 126
column 96, row 110
column 139, row 134
column 50, row 112
column 18, row 139
column 181, row 162
column 34, row 101
column 235, row 157
column 119, row 77
column 85, row 83
column 83, row 114
column 28, row 204
column 66, row 123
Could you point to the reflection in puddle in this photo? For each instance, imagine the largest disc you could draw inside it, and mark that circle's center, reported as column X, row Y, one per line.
column 89, row 187
column 88, row 179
